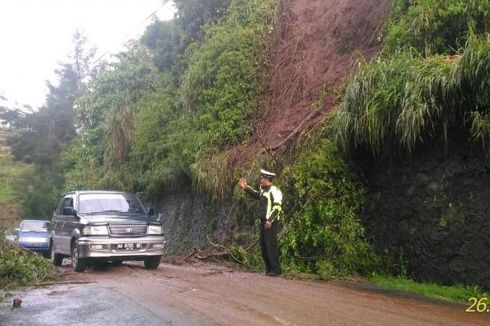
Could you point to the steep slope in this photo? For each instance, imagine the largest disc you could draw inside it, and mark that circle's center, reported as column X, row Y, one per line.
column 316, row 43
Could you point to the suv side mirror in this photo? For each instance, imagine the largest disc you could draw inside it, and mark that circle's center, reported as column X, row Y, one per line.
column 17, row 231
column 69, row 211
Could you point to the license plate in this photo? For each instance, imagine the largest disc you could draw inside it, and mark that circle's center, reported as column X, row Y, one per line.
column 128, row 246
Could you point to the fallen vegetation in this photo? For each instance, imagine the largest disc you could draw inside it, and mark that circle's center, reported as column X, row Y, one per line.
column 21, row 267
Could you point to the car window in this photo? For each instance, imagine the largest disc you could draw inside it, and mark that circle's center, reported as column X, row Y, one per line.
column 34, row 226
column 118, row 203
column 68, row 202
column 58, row 207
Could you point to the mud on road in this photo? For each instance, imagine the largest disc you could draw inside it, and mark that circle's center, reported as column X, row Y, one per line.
column 205, row 294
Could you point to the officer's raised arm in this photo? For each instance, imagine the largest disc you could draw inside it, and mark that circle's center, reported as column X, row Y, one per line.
column 243, row 183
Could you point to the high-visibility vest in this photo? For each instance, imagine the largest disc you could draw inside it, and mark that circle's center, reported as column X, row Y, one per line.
column 274, row 202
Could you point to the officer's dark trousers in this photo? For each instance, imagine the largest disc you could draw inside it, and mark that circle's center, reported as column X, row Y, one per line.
column 270, row 248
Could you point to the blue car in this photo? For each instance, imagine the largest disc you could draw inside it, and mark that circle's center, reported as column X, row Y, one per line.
column 33, row 235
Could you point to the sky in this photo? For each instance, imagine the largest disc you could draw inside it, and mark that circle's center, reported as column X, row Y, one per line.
column 36, row 36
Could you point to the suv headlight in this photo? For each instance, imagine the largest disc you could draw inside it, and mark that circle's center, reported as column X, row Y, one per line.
column 95, row 230
column 154, row 229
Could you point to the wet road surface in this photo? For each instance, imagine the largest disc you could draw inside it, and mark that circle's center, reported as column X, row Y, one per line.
column 204, row 294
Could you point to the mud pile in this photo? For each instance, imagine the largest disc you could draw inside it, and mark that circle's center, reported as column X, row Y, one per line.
column 315, row 45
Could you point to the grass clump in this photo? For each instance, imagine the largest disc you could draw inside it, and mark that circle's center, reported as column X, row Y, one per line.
column 394, row 102
column 454, row 293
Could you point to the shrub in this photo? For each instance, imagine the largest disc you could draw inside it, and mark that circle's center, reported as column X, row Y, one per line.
column 327, row 236
column 223, row 79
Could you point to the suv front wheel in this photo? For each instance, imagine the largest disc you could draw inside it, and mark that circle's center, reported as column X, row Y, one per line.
column 152, row 262
column 79, row 265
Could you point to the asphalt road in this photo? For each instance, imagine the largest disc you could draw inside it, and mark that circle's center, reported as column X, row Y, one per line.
column 206, row 294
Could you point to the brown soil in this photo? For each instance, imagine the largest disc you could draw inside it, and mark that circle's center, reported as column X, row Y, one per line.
column 220, row 295
column 316, row 43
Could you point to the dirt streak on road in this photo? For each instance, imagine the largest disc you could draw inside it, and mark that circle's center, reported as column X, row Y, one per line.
column 210, row 294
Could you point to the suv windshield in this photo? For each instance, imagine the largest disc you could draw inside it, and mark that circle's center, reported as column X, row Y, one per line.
column 34, row 226
column 109, row 203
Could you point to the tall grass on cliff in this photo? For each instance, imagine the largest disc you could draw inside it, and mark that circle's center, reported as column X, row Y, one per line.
column 399, row 101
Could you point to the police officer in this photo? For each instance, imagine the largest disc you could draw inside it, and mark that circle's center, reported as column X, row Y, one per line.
column 270, row 211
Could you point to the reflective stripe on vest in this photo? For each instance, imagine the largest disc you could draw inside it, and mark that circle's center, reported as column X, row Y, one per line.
column 274, row 201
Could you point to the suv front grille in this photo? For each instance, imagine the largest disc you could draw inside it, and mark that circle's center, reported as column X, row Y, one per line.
column 127, row 230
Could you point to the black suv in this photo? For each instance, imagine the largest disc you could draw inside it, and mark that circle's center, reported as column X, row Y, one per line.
column 104, row 226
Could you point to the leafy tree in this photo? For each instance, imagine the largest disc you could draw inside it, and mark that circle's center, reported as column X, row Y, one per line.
column 84, row 61
column 193, row 14
column 157, row 155
column 10, row 117
column 164, row 41
column 106, row 119
column 46, row 133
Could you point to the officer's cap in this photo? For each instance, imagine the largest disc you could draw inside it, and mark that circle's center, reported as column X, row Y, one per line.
column 267, row 174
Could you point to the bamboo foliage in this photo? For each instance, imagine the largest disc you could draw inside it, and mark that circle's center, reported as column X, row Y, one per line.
column 472, row 77
column 399, row 101
column 213, row 175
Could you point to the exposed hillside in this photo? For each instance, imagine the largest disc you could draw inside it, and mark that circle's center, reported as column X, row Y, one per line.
column 231, row 85
column 313, row 50
column 309, row 58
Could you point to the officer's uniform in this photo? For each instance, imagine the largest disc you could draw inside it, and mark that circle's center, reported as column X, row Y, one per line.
column 270, row 201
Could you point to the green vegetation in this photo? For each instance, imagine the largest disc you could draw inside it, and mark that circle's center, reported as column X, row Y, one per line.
column 176, row 101
column 10, row 173
column 106, row 119
column 173, row 105
column 405, row 97
column 429, row 84
column 435, row 26
column 326, row 237
column 223, row 78
column 20, row 267
column 455, row 293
